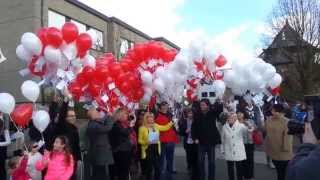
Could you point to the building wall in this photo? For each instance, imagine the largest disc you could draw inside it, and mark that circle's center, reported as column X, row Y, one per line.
column 16, row 17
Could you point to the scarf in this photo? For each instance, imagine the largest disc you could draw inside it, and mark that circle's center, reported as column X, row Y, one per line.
column 132, row 135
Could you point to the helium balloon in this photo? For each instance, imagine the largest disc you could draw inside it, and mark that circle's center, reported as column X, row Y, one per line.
column 41, row 120
column 7, row 103
column 22, row 114
column 30, row 90
column 32, row 43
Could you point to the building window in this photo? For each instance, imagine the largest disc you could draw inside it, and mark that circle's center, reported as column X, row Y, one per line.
column 81, row 27
column 124, row 47
column 99, row 44
column 283, row 36
column 55, row 19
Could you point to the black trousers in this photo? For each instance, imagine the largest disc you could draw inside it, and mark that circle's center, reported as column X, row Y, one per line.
column 3, row 173
column 99, row 172
column 281, row 167
column 122, row 161
column 192, row 159
column 248, row 164
column 151, row 163
column 239, row 170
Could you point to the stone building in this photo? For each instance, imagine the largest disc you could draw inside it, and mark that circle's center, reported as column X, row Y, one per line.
column 288, row 52
column 19, row 16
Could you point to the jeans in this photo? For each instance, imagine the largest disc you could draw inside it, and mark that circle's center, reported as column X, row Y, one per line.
column 281, row 167
column 210, row 151
column 239, row 170
column 167, row 153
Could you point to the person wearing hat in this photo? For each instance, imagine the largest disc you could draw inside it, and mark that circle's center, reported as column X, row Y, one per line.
column 99, row 153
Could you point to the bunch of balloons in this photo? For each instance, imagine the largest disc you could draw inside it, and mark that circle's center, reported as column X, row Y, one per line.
column 52, row 50
column 113, row 84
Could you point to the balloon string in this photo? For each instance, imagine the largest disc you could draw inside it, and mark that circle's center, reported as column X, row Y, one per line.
column 18, row 130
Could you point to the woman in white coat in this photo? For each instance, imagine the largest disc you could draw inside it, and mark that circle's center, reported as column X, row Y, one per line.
column 232, row 146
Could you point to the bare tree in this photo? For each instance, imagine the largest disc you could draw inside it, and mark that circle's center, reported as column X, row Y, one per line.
column 303, row 48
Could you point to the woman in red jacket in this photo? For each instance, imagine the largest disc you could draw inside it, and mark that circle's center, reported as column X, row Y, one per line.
column 168, row 139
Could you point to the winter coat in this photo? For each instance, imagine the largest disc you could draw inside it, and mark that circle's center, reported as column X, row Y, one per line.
column 168, row 136
column 232, row 141
column 204, row 128
column 305, row 163
column 278, row 142
column 120, row 138
column 56, row 166
column 100, row 152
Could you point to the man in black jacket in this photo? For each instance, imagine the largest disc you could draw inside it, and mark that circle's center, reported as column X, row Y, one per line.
column 205, row 133
column 100, row 152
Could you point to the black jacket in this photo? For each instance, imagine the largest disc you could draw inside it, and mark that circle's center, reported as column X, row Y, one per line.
column 120, row 138
column 204, row 128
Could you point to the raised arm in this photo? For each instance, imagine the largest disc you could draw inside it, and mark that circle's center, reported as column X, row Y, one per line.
column 165, row 127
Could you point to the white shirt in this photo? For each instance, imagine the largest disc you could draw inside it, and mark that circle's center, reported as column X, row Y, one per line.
column 31, row 166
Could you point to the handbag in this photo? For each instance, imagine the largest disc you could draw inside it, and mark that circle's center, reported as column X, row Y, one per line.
column 257, row 138
column 295, row 127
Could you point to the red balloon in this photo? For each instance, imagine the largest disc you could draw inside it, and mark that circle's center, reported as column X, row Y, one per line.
column 95, row 88
column 42, row 34
column 102, row 72
column 115, row 69
column 276, row 91
column 88, row 73
column 69, row 32
column 124, row 87
column 113, row 100
column 221, row 61
column 54, row 37
column 84, row 43
column 32, row 67
column 22, row 114
column 75, row 89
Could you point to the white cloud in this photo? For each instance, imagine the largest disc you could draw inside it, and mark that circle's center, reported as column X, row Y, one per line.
column 161, row 18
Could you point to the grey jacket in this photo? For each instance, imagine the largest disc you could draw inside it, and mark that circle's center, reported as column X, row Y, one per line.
column 100, row 152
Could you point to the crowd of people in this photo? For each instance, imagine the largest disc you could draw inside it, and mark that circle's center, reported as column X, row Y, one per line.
column 126, row 144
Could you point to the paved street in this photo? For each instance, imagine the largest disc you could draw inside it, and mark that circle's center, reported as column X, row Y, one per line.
column 262, row 172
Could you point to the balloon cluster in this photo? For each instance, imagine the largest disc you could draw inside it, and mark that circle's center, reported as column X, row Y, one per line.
column 255, row 76
column 112, row 84
column 53, row 51
column 21, row 114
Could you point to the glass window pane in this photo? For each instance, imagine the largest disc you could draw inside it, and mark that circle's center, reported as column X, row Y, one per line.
column 99, row 44
column 55, row 19
column 81, row 27
column 124, row 46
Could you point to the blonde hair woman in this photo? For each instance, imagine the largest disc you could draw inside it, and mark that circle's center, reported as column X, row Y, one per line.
column 150, row 146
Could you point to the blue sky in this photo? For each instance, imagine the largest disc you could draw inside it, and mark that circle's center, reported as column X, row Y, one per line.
column 234, row 26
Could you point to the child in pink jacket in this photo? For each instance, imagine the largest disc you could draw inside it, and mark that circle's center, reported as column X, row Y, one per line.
column 59, row 161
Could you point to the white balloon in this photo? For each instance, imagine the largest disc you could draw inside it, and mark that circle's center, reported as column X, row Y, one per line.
column 41, row 120
column 70, row 50
column 146, row 98
column 52, row 54
column 89, row 61
column 30, row 90
column 229, row 77
column 220, row 88
column 148, row 90
column 160, row 71
column 146, row 77
column 269, row 72
column 275, row 81
column 7, row 103
column 23, row 54
column 159, row 85
column 32, row 43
